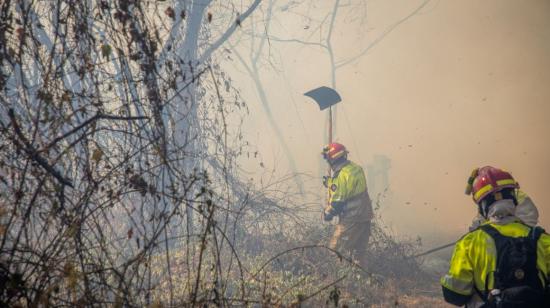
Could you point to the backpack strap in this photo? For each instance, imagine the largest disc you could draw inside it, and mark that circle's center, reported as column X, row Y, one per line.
column 483, row 295
column 535, row 233
column 500, row 240
column 495, row 235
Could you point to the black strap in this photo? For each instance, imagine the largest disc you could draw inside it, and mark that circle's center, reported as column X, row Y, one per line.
column 482, row 295
column 493, row 232
column 498, row 238
column 535, row 233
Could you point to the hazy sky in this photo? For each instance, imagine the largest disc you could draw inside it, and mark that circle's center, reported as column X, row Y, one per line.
column 459, row 85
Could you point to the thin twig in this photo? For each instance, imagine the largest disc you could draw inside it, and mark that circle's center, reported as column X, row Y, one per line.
column 33, row 153
column 88, row 122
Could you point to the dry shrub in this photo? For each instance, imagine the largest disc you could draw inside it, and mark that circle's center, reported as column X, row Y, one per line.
column 301, row 270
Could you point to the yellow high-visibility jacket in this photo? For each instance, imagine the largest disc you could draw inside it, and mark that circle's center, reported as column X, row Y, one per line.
column 348, row 184
column 474, row 257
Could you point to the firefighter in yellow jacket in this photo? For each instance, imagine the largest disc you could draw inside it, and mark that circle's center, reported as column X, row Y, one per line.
column 349, row 200
column 503, row 262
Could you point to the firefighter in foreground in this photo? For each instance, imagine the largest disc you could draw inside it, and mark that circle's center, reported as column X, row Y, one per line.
column 349, row 200
column 504, row 262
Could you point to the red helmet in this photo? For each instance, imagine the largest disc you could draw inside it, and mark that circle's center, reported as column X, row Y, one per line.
column 488, row 180
column 334, row 151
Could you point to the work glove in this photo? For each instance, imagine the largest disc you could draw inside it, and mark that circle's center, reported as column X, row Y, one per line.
column 329, row 213
column 325, row 181
column 333, row 209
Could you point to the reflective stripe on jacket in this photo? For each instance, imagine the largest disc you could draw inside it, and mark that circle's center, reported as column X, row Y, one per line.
column 474, row 257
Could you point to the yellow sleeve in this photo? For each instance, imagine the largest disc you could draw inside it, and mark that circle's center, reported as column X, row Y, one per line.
column 460, row 278
column 543, row 254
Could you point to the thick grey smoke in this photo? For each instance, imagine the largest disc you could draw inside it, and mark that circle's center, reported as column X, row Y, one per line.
column 460, row 84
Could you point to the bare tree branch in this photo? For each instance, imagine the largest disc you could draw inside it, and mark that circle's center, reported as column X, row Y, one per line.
column 33, row 153
column 242, row 17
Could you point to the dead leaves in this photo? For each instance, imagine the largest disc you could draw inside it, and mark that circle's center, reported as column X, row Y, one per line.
column 71, row 274
column 238, row 21
column 138, row 182
column 66, row 97
column 20, row 32
column 170, row 12
column 97, row 154
column 106, row 51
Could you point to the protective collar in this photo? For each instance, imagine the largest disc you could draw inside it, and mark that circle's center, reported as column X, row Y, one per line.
column 502, row 212
column 339, row 165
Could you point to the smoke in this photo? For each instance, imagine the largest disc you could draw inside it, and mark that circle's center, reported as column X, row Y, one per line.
column 460, row 84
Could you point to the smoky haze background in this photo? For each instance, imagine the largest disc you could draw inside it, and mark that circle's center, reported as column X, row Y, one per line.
column 460, row 84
